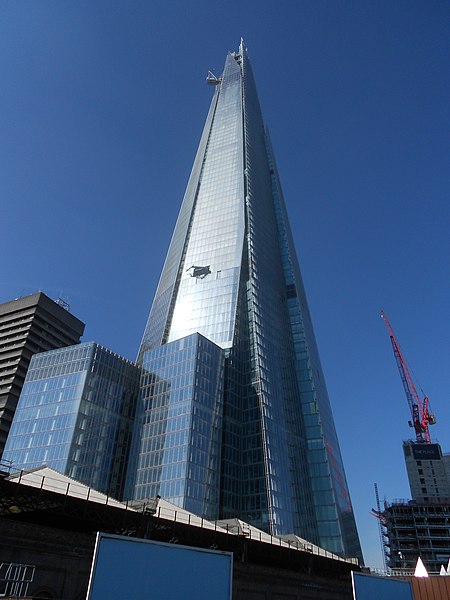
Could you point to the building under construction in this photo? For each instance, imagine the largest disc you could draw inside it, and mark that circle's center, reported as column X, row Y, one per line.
column 419, row 527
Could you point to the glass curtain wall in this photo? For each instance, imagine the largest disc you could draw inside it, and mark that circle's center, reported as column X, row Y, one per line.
column 179, row 426
column 75, row 415
column 331, row 506
column 231, row 274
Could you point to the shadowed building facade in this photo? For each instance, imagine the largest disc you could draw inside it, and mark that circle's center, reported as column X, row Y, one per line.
column 250, row 405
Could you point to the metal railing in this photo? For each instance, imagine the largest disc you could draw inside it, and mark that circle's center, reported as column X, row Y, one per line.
column 15, row 579
column 160, row 508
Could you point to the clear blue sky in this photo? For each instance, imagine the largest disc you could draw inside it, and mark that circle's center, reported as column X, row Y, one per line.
column 102, row 106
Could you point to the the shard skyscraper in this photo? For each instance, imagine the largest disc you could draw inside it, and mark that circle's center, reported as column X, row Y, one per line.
column 234, row 418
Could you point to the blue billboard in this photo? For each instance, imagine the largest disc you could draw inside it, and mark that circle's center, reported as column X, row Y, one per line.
column 374, row 587
column 127, row 568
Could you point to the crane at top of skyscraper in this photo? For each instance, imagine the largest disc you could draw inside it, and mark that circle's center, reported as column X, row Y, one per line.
column 420, row 410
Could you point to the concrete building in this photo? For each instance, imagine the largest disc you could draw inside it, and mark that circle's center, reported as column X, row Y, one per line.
column 75, row 414
column 416, row 529
column 420, row 526
column 428, row 472
column 29, row 325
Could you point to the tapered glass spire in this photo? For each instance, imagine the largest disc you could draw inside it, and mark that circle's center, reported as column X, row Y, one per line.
column 264, row 433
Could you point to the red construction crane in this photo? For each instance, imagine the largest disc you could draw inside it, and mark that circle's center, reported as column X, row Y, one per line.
column 420, row 410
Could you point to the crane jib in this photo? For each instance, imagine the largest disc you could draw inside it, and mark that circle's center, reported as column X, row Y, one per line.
column 421, row 416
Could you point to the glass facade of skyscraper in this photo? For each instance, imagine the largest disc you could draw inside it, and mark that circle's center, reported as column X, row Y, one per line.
column 179, row 426
column 231, row 274
column 75, row 414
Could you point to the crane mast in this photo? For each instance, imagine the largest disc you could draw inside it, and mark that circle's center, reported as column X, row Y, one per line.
column 379, row 514
column 421, row 416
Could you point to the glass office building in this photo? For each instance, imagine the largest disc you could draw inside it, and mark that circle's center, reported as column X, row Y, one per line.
column 231, row 274
column 180, row 425
column 75, row 414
